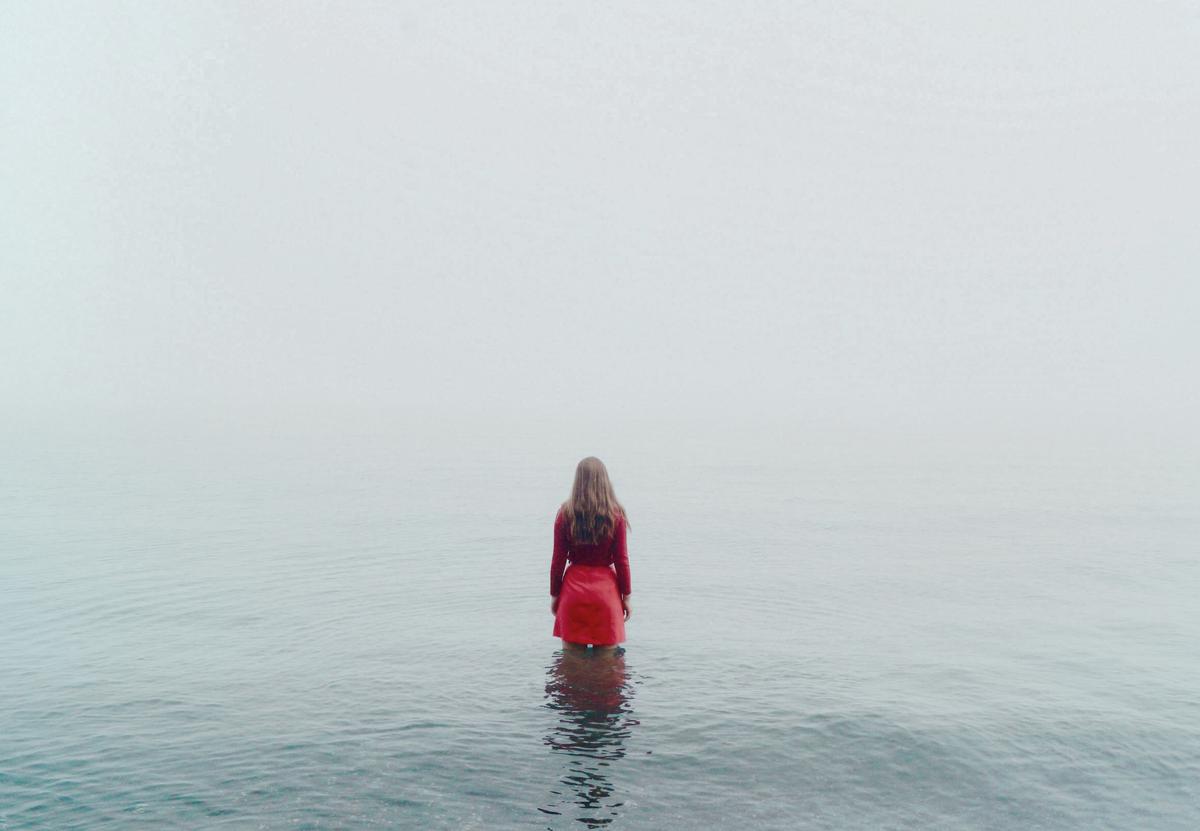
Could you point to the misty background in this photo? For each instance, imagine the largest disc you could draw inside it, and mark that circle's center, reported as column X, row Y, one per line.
column 883, row 318
column 843, row 224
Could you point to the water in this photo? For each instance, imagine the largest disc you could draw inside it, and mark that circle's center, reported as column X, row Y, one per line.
column 346, row 634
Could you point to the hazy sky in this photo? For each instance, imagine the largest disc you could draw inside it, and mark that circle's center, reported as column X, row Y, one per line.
column 919, row 212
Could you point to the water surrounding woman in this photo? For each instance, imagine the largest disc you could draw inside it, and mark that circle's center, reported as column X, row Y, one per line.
column 591, row 599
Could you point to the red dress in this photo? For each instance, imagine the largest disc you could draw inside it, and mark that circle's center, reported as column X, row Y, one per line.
column 589, row 592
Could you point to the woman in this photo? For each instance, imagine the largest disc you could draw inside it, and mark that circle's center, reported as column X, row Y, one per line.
column 591, row 600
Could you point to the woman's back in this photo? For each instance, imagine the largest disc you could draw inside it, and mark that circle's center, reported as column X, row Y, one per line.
column 611, row 550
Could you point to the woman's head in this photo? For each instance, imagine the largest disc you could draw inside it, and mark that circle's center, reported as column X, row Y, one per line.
column 592, row 507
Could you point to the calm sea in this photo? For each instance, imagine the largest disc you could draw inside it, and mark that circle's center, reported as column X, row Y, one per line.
column 343, row 634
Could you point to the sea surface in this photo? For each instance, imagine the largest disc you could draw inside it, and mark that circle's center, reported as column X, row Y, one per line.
column 344, row 632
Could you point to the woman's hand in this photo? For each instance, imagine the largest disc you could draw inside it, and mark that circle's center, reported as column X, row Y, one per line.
column 554, row 605
column 625, row 605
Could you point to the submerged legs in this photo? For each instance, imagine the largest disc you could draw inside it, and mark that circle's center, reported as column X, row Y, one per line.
column 571, row 646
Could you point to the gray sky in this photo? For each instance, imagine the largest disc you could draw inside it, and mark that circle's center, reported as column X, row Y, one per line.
column 842, row 213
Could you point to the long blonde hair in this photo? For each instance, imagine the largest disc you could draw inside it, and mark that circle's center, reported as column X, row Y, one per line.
column 592, row 508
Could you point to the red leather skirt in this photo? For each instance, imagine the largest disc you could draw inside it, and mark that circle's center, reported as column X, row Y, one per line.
column 589, row 606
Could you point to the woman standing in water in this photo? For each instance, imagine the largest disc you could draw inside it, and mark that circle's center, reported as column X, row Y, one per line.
column 591, row 600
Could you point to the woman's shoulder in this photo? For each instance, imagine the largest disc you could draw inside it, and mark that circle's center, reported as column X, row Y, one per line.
column 620, row 521
column 618, row 524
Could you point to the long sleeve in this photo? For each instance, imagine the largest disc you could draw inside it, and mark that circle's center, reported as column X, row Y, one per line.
column 558, row 563
column 620, row 554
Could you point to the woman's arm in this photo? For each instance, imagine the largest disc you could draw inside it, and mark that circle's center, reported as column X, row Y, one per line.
column 558, row 562
column 620, row 555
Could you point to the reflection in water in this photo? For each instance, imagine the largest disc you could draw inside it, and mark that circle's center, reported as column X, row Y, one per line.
column 590, row 693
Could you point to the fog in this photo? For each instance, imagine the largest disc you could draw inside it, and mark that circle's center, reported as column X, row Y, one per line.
column 860, row 221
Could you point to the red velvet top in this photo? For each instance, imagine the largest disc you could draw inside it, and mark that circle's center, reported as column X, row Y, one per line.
column 609, row 551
